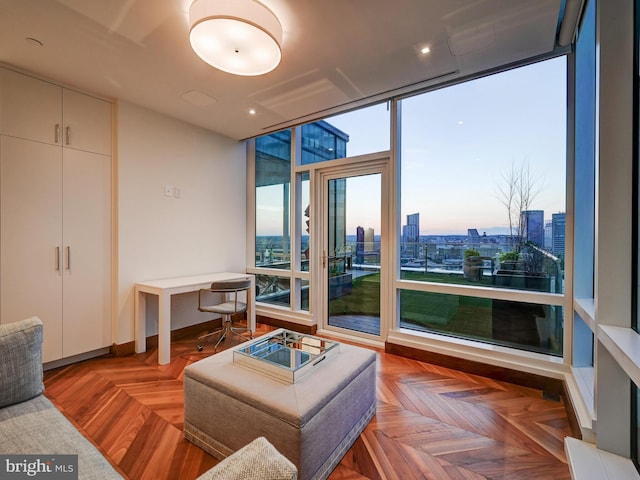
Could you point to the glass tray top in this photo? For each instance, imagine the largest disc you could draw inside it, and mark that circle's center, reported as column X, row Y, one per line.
column 285, row 354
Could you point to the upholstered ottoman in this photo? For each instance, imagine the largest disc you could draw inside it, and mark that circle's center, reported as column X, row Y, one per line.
column 312, row 422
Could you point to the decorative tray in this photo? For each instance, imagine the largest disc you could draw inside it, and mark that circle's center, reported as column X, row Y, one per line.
column 285, row 355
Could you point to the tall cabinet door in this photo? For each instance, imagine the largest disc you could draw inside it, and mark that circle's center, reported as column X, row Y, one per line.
column 87, row 251
column 31, row 237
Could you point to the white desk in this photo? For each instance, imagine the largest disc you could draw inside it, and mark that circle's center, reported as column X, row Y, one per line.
column 167, row 287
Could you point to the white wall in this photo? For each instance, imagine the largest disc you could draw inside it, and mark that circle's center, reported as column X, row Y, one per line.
column 158, row 236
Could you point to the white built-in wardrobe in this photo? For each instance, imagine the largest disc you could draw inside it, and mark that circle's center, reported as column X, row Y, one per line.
column 55, row 205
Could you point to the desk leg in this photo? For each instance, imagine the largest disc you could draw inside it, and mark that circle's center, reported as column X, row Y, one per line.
column 139, row 314
column 164, row 328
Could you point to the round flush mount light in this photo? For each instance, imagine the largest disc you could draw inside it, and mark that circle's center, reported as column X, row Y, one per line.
column 241, row 37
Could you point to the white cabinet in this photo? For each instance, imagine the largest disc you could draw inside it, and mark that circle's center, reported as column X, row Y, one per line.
column 30, row 237
column 86, row 206
column 55, row 207
column 30, row 108
column 87, row 122
column 44, row 112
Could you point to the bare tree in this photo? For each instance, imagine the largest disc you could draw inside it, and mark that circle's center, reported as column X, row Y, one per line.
column 518, row 190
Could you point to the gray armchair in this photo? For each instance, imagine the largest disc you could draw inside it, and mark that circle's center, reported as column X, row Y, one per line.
column 29, row 423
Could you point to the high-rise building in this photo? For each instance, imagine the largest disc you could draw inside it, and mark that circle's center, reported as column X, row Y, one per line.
column 359, row 245
column 411, row 236
column 558, row 221
column 473, row 237
column 322, row 141
column 532, row 223
column 369, row 237
column 548, row 237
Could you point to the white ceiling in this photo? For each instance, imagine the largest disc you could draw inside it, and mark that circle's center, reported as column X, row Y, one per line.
column 337, row 54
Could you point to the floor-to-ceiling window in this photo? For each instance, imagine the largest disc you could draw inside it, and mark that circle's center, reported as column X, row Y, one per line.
column 272, row 226
column 284, row 164
column 584, row 200
column 483, row 173
column 480, row 237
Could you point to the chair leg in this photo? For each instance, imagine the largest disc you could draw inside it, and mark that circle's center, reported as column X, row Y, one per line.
column 238, row 330
column 220, row 340
column 222, row 331
column 227, row 330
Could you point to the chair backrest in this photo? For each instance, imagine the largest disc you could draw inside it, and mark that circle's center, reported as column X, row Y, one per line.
column 231, row 285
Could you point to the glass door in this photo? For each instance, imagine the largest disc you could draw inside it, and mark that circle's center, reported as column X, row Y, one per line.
column 353, row 252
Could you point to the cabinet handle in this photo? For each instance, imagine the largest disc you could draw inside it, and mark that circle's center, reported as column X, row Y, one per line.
column 67, row 132
column 68, row 257
column 57, row 130
column 57, row 259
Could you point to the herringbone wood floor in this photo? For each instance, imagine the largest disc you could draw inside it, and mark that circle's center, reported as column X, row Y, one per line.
column 431, row 422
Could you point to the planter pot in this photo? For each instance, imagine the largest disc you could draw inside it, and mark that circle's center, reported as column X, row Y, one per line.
column 520, row 280
column 472, row 268
column 509, row 265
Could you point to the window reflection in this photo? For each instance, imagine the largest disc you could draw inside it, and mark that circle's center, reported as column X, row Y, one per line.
column 523, row 325
column 273, row 183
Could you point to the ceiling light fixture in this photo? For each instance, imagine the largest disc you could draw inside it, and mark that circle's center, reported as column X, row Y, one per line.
column 242, row 37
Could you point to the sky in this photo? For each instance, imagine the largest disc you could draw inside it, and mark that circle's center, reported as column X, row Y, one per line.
column 459, row 143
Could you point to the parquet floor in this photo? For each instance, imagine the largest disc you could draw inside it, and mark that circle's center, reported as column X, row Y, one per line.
column 431, row 422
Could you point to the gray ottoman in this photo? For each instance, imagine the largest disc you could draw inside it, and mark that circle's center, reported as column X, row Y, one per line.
column 313, row 422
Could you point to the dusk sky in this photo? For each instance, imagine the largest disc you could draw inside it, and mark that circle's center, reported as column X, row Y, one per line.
column 458, row 143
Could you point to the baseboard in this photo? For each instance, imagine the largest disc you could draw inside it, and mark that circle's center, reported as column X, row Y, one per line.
column 550, row 386
column 274, row 322
column 573, row 417
column 63, row 362
column 123, row 349
column 129, row 348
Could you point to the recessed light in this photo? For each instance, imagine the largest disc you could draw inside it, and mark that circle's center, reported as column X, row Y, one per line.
column 252, row 112
column 425, row 50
